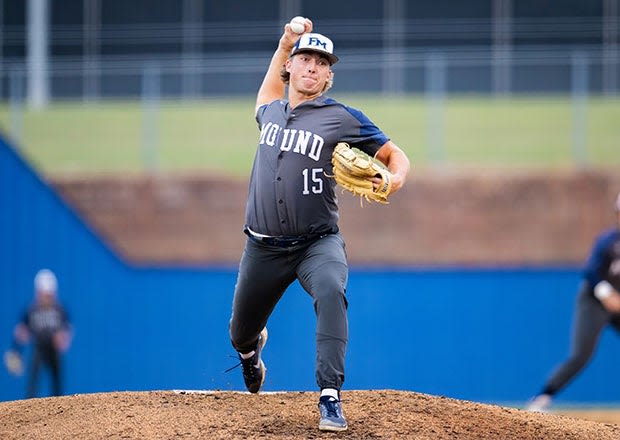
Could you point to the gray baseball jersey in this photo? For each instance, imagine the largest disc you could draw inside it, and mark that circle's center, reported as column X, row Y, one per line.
column 290, row 192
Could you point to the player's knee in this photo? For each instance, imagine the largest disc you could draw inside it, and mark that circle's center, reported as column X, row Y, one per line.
column 330, row 288
column 327, row 297
column 582, row 359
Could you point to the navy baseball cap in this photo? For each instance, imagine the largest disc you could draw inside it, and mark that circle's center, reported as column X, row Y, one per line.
column 312, row 42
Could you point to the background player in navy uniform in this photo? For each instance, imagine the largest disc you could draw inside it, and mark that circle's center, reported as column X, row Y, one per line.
column 46, row 325
column 292, row 212
column 598, row 305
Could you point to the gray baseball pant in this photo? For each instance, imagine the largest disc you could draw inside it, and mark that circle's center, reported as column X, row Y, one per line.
column 265, row 272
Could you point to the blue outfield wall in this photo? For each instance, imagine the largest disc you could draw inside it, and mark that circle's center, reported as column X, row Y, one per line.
column 481, row 334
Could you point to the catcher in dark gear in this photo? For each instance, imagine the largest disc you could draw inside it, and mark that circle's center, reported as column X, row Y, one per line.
column 292, row 210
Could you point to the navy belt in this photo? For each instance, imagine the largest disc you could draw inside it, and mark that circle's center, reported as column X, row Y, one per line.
column 285, row 241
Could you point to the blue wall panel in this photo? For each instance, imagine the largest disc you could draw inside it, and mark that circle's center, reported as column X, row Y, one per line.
column 486, row 334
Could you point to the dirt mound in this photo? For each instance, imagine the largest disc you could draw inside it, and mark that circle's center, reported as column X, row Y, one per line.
column 231, row 415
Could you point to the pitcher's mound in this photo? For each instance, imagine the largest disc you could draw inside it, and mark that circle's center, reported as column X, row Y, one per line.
column 230, row 415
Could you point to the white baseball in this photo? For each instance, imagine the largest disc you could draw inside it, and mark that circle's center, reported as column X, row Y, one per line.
column 298, row 24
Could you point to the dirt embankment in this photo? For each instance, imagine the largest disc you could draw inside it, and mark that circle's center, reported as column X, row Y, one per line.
column 465, row 217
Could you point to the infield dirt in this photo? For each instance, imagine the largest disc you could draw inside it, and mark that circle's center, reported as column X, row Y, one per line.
column 378, row 414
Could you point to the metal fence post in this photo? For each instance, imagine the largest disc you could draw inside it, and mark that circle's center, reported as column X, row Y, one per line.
column 579, row 95
column 435, row 90
column 16, row 104
column 393, row 82
column 37, row 58
column 151, row 93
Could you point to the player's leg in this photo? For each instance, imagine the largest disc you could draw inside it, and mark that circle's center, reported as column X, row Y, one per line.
column 264, row 274
column 55, row 370
column 589, row 320
column 324, row 273
column 615, row 322
column 262, row 279
column 35, row 369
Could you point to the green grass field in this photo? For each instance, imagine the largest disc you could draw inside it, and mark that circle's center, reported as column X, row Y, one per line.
column 221, row 134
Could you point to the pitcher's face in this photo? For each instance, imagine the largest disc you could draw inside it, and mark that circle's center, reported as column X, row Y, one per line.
column 309, row 72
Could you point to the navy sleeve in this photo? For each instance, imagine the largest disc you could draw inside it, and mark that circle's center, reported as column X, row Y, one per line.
column 595, row 265
column 362, row 132
column 15, row 344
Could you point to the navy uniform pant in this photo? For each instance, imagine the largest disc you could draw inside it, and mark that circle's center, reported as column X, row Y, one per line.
column 265, row 272
column 590, row 319
column 44, row 355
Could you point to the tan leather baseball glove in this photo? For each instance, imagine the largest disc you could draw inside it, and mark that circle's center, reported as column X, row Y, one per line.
column 354, row 169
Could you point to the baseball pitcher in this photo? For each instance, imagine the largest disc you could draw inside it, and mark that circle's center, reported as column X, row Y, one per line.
column 291, row 219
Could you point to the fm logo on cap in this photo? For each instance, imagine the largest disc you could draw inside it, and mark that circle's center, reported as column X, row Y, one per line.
column 314, row 41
